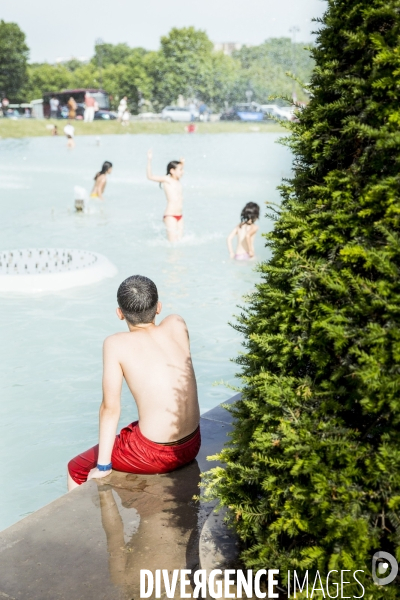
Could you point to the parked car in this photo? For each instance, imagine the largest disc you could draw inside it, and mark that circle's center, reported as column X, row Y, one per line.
column 18, row 111
column 178, row 113
column 106, row 115
column 249, row 111
column 269, row 110
column 285, row 113
column 11, row 113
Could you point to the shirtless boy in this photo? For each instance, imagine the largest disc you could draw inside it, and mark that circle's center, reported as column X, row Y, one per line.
column 172, row 186
column 156, row 364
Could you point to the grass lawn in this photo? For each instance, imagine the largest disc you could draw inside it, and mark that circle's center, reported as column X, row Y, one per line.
column 31, row 128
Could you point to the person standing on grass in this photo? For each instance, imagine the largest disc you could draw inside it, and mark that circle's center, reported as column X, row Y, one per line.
column 71, row 108
column 126, row 118
column 122, row 107
column 54, row 104
column 89, row 108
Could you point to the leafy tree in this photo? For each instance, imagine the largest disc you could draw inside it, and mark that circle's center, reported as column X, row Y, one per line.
column 86, row 76
column 224, row 78
column 115, row 54
column 13, row 60
column 43, row 77
column 72, row 64
column 129, row 78
column 183, row 66
column 312, row 477
column 187, row 65
column 264, row 69
column 134, row 82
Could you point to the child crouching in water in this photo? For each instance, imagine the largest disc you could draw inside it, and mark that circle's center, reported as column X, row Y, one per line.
column 100, row 180
column 245, row 232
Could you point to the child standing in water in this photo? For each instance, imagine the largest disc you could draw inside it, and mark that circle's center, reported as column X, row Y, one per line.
column 172, row 186
column 245, row 232
column 100, row 180
column 69, row 131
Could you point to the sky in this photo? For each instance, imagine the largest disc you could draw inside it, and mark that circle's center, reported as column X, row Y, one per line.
column 64, row 29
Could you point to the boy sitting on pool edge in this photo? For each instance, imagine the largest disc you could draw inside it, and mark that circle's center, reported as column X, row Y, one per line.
column 156, row 364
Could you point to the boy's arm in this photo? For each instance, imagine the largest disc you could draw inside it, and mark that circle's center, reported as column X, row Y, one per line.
column 229, row 242
column 159, row 179
column 110, row 407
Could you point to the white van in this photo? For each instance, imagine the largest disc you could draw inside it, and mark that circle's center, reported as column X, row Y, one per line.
column 181, row 114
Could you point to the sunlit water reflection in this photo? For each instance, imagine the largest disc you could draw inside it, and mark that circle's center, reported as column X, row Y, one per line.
column 50, row 352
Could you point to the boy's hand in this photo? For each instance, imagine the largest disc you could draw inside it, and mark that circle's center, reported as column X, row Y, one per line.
column 150, row 154
column 182, row 161
column 96, row 474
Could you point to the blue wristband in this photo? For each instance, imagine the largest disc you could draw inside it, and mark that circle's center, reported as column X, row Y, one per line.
column 104, row 467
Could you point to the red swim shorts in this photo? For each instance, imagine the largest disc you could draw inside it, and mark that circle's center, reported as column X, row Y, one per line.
column 134, row 453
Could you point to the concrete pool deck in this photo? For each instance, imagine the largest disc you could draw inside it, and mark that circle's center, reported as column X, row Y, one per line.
column 91, row 544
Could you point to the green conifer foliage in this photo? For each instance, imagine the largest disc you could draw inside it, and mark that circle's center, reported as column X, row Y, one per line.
column 312, row 476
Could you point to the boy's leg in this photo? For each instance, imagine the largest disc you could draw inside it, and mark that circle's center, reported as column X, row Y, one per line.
column 71, row 483
column 80, row 466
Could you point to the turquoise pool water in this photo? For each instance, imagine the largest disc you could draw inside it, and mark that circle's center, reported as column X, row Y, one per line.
column 50, row 351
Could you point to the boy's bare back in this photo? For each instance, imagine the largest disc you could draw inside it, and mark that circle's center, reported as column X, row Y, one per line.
column 156, row 364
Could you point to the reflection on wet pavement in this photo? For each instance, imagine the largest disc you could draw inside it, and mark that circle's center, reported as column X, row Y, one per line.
column 150, row 523
column 90, row 544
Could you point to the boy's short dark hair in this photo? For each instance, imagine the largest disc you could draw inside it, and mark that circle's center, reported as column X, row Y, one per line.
column 137, row 298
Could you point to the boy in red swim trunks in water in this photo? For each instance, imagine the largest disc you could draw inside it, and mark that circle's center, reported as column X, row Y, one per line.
column 156, row 364
column 172, row 186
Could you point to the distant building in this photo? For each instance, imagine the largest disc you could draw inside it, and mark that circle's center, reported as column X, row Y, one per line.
column 228, row 47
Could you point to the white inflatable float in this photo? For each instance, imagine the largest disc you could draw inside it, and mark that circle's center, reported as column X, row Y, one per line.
column 35, row 270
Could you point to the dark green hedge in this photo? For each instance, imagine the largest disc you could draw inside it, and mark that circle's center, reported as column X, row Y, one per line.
column 312, row 476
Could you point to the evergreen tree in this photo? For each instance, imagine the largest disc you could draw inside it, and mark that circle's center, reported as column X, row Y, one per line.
column 312, row 476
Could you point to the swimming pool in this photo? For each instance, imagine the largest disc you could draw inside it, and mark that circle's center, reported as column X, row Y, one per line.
column 50, row 351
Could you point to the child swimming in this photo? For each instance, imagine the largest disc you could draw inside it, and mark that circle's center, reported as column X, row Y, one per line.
column 245, row 232
column 172, row 186
column 100, row 180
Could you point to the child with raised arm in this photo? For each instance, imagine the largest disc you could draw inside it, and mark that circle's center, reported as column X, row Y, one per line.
column 100, row 180
column 245, row 232
column 156, row 364
column 172, row 187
